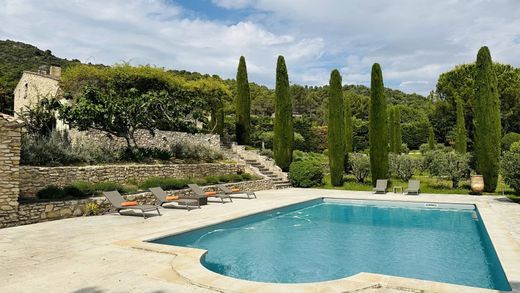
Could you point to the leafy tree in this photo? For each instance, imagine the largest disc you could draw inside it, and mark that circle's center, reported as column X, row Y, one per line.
column 403, row 166
column 459, row 83
column 215, row 94
column 487, row 121
column 451, row 164
column 243, row 104
column 509, row 139
column 336, row 134
column 511, row 167
column 461, row 142
column 120, row 100
column 431, row 138
column 360, row 164
column 283, row 124
column 378, row 131
column 40, row 119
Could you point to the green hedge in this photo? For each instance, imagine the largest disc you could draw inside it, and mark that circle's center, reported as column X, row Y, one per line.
column 305, row 174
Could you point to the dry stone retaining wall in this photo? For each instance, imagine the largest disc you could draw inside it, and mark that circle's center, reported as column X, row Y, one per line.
column 9, row 168
column 30, row 213
column 33, row 179
column 161, row 139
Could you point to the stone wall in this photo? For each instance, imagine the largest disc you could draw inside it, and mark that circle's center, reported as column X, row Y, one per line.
column 34, row 178
column 30, row 213
column 161, row 139
column 9, row 168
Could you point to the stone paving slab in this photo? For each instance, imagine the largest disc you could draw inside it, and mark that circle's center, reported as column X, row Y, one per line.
column 106, row 253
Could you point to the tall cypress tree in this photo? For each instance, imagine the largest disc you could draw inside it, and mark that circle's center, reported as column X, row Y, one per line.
column 349, row 146
column 336, row 129
column 487, row 121
column 431, row 138
column 398, row 134
column 391, row 129
column 461, row 138
column 283, row 123
column 378, row 126
column 243, row 104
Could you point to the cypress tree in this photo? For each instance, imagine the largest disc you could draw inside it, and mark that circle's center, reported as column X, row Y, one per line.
column 487, row 121
column 378, row 126
column 336, row 129
column 348, row 126
column 283, row 124
column 243, row 104
column 461, row 139
column 398, row 133
column 431, row 138
column 391, row 129
column 348, row 131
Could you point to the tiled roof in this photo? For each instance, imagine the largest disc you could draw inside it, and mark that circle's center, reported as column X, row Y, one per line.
column 10, row 118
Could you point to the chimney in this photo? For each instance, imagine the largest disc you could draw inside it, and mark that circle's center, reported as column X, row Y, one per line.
column 55, row 71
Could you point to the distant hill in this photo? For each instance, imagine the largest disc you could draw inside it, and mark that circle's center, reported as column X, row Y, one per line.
column 16, row 57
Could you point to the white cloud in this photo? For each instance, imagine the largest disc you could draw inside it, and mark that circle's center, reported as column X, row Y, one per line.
column 413, row 40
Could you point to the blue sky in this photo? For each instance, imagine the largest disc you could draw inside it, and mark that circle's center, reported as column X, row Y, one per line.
column 413, row 40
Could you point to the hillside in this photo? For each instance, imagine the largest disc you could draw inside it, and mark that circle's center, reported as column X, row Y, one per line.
column 15, row 57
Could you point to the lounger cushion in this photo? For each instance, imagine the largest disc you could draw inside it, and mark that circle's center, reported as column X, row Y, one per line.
column 128, row 203
column 235, row 189
column 172, row 197
column 210, row 193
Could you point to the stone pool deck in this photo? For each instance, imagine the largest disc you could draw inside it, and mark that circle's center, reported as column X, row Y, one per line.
column 106, row 253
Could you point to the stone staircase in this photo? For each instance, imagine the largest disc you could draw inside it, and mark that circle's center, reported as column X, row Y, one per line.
column 261, row 165
column 279, row 182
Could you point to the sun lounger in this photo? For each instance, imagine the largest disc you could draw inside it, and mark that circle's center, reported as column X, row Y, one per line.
column 381, row 186
column 199, row 192
column 413, row 187
column 165, row 200
column 229, row 191
column 119, row 203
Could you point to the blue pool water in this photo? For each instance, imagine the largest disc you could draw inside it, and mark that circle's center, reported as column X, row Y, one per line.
column 321, row 240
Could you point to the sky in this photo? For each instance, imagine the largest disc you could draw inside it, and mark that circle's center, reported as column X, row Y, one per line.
column 413, row 40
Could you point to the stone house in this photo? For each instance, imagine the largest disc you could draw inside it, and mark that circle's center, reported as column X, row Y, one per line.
column 36, row 85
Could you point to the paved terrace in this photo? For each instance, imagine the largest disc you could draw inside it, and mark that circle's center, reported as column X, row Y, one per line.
column 106, row 253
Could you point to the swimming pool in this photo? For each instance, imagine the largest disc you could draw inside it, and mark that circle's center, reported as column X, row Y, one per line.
column 329, row 239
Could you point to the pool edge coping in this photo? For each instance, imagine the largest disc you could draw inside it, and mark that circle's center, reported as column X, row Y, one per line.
column 187, row 264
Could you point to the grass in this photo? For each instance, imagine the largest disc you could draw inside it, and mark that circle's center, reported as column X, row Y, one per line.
column 428, row 185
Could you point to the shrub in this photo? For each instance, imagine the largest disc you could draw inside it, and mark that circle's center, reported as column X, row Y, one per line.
column 511, row 167
column 305, row 174
column 212, row 179
column 195, row 152
column 50, row 192
column 403, row 166
column 452, row 165
column 57, row 150
column 72, row 191
column 360, row 164
column 267, row 152
column 92, row 209
column 164, row 183
column 246, row 176
column 509, row 139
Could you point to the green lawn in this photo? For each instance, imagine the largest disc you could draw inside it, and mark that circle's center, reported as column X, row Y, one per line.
column 428, row 185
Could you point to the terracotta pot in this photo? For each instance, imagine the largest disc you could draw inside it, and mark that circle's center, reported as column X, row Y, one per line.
column 477, row 183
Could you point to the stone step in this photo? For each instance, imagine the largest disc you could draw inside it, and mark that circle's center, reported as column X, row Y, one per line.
column 281, row 186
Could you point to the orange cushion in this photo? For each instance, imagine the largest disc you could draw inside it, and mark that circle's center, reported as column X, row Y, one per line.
column 129, row 203
column 235, row 189
column 210, row 193
column 172, row 197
